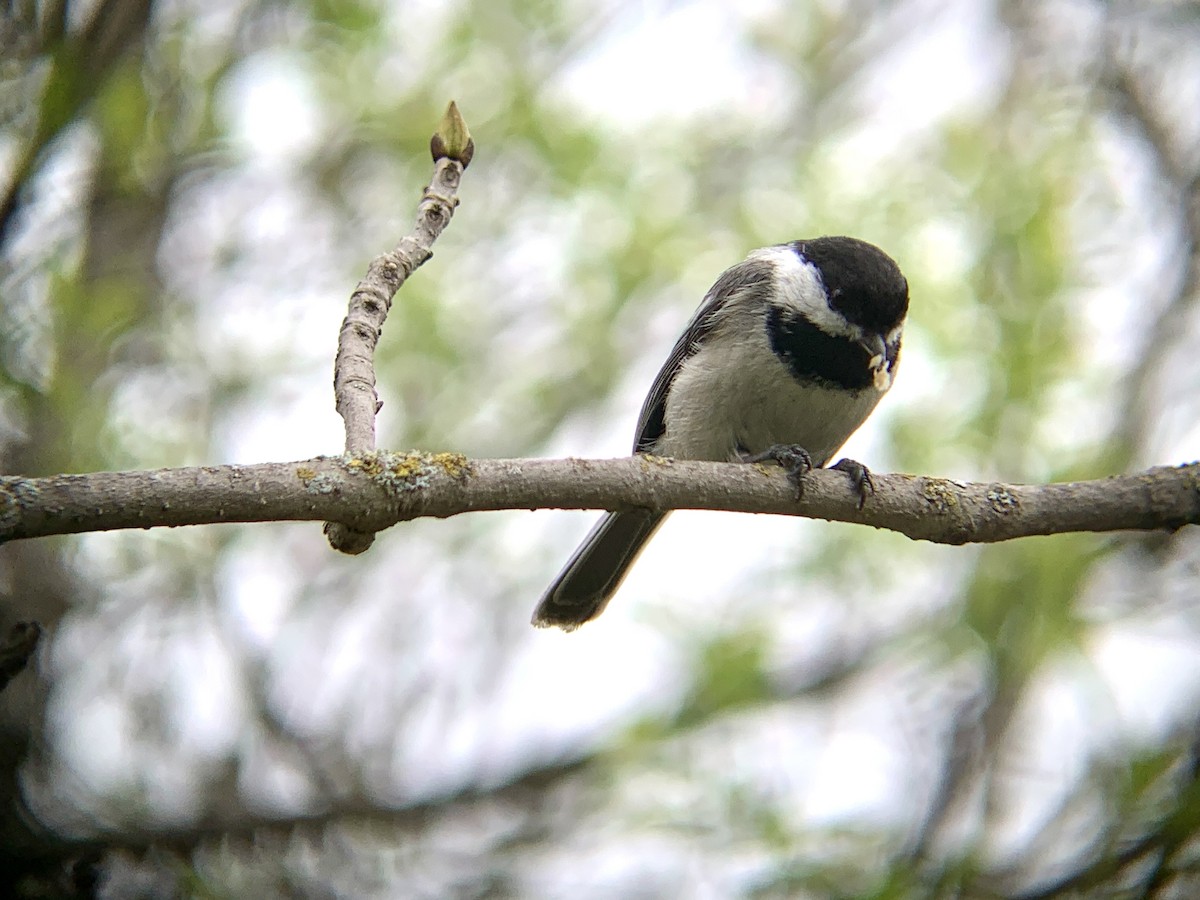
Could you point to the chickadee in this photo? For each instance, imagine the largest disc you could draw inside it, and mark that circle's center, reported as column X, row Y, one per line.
column 787, row 355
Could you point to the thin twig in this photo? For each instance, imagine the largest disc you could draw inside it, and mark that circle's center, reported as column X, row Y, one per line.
column 354, row 368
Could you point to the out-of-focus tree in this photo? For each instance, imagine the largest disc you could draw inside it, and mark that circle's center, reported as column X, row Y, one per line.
column 772, row 708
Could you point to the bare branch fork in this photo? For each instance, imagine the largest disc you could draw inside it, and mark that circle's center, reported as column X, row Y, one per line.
column 354, row 367
column 372, row 491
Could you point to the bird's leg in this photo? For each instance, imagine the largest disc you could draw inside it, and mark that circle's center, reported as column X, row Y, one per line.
column 794, row 459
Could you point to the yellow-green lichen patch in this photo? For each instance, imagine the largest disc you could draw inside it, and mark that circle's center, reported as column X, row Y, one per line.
column 316, row 482
column 455, row 465
column 940, row 494
column 405, row 466
column 396, row 473
column 369, row 463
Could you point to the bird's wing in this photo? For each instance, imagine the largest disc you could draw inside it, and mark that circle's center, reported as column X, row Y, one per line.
column 747, row 277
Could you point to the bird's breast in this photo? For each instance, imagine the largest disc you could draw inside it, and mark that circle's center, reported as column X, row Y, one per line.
column 735, row 394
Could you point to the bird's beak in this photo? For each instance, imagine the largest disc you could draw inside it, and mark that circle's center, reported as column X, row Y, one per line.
column 877, row 351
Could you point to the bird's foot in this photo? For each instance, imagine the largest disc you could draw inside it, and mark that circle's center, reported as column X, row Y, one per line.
column 860, row 478
column 794, row 459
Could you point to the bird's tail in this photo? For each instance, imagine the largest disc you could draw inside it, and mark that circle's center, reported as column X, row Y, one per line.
column 590, row 578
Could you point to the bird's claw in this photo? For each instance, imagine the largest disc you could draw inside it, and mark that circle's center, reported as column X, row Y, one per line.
column 860, row 478
column 794, row 459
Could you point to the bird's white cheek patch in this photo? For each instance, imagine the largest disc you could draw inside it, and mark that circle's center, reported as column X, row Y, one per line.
column 883, row 376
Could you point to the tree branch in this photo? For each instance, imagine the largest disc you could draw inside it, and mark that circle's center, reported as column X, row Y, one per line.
column 373, row 491
column 354, row 368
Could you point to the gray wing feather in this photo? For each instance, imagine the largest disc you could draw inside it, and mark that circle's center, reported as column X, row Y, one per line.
column 747, row 276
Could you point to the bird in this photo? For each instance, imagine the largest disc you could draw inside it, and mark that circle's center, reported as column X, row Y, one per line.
column 786, row 356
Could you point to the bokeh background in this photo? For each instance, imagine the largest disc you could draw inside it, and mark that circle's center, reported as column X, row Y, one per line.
column 771, row 707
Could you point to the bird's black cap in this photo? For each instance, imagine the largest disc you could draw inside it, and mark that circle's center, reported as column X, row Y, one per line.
column 864, row 284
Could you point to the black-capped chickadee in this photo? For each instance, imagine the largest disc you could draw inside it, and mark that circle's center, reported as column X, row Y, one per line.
column 787, row 355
